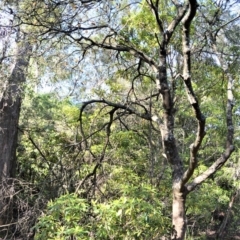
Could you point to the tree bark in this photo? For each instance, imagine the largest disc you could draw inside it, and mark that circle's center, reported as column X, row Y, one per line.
column 10, row 104
column 178, row 215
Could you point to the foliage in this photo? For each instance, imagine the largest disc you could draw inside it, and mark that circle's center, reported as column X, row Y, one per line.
column 127, row 217
column 106, row 166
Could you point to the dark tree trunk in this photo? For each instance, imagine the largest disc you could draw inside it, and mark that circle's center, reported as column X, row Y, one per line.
column 10, row 104
column 9, row 115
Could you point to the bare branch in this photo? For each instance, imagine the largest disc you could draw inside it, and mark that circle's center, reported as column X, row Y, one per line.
column 230, row 128
column 225, row 24
column 211, row 170
column 190, row 92
column 229, row 142
column 154, row 8
column 122, row 48
column 172, row 26
column 102, row 155
column 145, row 115
column 89, row 1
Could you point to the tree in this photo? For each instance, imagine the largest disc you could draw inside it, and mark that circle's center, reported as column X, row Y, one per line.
column 14, row 62
column 10, row 111
column 155, row 44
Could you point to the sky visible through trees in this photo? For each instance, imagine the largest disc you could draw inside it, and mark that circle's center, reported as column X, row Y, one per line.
column 119, row 119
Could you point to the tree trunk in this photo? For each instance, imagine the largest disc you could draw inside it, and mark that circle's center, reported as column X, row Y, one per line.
column 9, row 116
column 178, row 215
column 10, row 103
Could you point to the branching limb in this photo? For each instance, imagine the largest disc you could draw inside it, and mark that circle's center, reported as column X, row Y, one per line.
column 229, row 142
column 211, row 170
column 121, row 48
column 176, row 3
column 172, row 26
column 155, row 11
column 145, row 115
column 230, row 128
column 190, row 92
column 102, row 155
column 39, row 151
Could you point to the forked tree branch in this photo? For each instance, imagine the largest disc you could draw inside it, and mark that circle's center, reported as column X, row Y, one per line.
column 229, row 141
column 145, row 115
column 155, row 10
column 230, row 128
column 121, row 48
column 176, row 21
column 190, row 92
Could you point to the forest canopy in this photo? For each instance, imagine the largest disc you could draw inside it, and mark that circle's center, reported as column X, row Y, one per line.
column 119, row 119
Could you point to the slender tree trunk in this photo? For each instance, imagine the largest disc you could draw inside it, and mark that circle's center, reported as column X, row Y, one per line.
column 9, row 116
column 10, row 104
column 227, row 217
column 178, row 215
